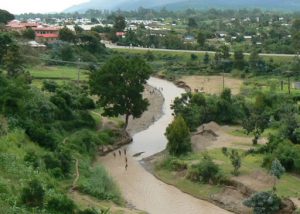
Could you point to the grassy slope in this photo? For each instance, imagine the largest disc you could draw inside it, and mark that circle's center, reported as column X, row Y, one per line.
column 13, row 147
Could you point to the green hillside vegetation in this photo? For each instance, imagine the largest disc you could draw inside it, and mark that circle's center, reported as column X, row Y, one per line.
column 41, row 140
column 50, row 135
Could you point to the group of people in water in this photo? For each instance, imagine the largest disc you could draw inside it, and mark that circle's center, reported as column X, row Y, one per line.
column 120, row 154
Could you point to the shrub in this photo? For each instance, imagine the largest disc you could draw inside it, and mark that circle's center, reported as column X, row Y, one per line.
column 277, row 169
column 33, row 194
column 42, row 136
column 51, row 162
column 32, row 159
column 60, row 204
column 59, row 162
column 174, row 164
column 205, row 171
column 49, row 85
column 86, row 102
column 235, row 159
column 289, row 156
column 93, row 211
column 264, row 203
column 85, row 142
column 100, row 185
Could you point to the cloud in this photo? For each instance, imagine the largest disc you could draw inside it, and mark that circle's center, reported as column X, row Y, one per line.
column 37, row 6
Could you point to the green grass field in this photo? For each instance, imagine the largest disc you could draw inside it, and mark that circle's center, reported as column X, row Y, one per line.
column 287, row 186
column 59, row 74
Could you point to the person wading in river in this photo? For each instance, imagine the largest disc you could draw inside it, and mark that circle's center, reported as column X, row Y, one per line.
column 114, row 155
column 125, row 151
column 126, row 166
column 120, row 152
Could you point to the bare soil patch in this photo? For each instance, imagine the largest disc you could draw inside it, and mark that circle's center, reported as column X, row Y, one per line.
column 211, row 136
column 232, row 200
column 212, row 84
column 257, row 180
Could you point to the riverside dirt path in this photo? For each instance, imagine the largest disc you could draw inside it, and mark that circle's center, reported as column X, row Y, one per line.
column 139, row 187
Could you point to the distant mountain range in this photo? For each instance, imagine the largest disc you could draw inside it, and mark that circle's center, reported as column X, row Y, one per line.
column 280, row 5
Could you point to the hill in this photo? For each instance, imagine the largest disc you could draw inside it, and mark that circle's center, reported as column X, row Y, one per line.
column 280, row 5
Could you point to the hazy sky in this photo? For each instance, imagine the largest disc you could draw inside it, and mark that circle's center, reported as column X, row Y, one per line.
column 41, row 6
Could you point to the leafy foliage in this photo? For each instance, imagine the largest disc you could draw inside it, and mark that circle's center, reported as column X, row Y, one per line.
column 277, row 169
column 235, row 159
column 5, row 16
column 60, row 204
column 119, row 84
column 205, row 171
column 264, row 203
column 197, row 109
column 178, row 135
column 100, row 185
column 33, row 194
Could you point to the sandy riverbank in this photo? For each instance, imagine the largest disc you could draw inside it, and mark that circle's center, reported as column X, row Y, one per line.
column 153, row 113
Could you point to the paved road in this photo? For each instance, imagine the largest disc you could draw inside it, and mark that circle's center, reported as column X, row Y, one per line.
column 112, row 46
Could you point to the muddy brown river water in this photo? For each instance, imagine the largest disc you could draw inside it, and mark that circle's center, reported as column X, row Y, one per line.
column 139, row 187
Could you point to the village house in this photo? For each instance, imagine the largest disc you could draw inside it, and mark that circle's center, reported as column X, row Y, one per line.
column 18, row 26
column 43, row 34
column 46, row 34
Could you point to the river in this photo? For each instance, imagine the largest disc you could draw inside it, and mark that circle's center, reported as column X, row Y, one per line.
column 139, row 187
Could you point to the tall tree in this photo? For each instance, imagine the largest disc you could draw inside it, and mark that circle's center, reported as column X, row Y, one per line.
column 67, row 35
column 239, row 61
column 178, row 135
column 5, row 41
column 201, row 38
column 119, row 85
column 13, row 61
column 192, row 23
column 120, row 23
column 5, row 16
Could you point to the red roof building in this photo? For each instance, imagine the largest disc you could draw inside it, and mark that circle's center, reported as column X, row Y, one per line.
column 20, row 26
column 46, row 34
column 42, row 33
column 120, row 34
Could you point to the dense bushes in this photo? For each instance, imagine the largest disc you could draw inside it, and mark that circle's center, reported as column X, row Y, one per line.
column 264, row 203
column 98, row 184
column 85, row 142
column 174, row 164
column 197, row 109
column 33, row 194
column 205, row 171
column 60, row 204
column 287, row 153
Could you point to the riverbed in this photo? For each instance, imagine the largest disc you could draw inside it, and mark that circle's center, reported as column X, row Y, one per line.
column 139, row 187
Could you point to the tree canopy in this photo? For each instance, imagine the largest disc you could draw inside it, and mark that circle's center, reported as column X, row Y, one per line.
column 119, row 85
column 5, row 16
column 178, row 135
